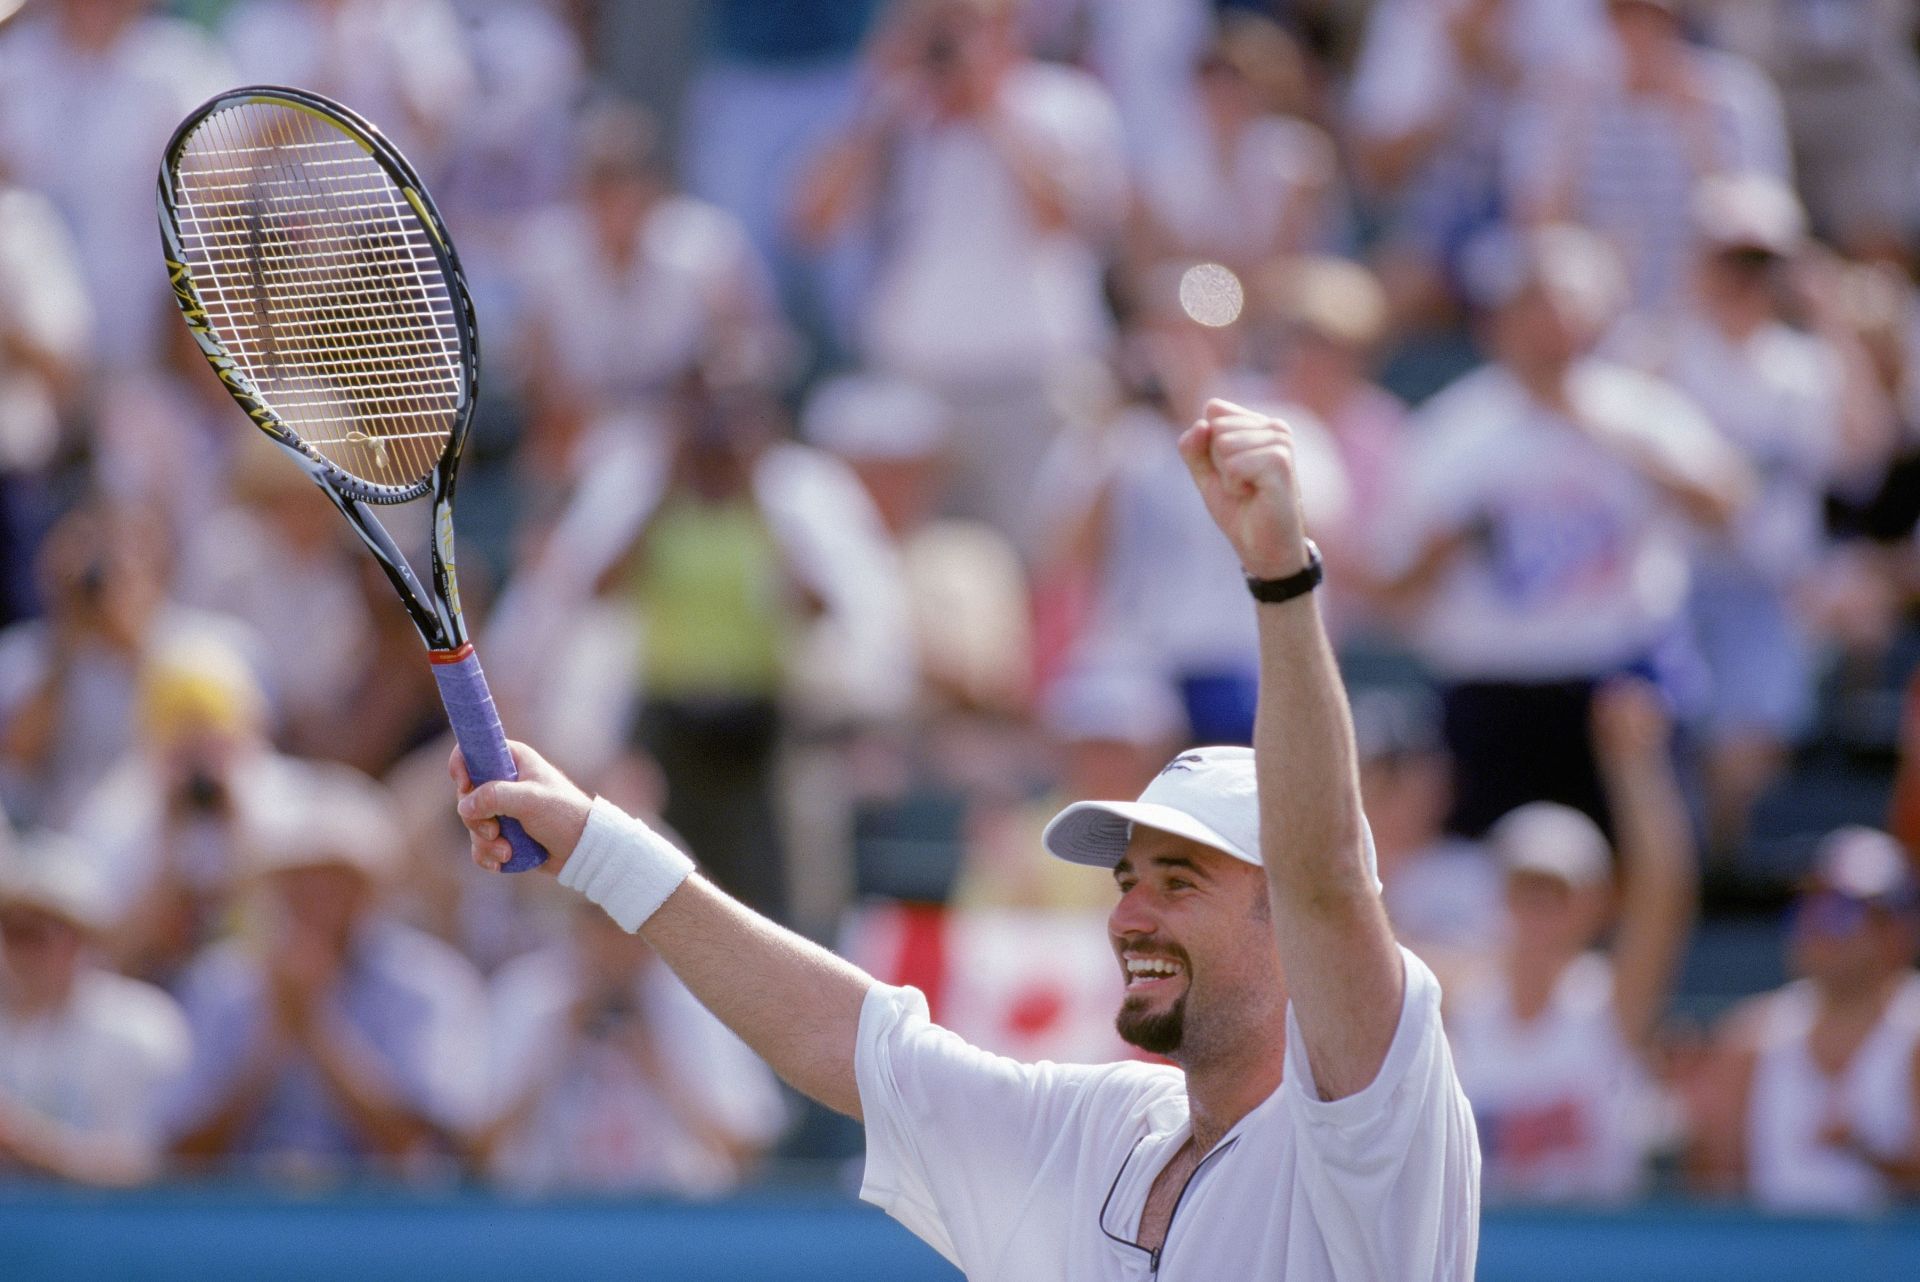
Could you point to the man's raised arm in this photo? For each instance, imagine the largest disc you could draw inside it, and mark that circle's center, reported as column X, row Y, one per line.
column 1343, row 970
column 796, row 1004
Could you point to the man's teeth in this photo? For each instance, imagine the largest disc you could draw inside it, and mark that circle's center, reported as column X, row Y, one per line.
column 1150, row 968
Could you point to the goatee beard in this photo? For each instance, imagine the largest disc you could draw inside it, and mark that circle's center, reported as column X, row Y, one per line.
column 1157, row 1034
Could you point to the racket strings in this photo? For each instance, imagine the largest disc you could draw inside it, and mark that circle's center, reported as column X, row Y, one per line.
column 320, row 280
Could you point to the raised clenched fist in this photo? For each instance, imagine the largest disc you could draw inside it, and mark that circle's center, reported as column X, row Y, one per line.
column 1243, row 463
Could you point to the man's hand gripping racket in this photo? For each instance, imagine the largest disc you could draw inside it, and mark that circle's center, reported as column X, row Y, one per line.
column 321, row 285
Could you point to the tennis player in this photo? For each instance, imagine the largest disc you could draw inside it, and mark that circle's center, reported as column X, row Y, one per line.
column 1310, row 1126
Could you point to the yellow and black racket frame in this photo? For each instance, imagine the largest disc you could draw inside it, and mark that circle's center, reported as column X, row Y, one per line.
column 437, row 616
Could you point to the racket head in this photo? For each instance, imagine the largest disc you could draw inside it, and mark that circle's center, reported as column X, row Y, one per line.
column 319, row 281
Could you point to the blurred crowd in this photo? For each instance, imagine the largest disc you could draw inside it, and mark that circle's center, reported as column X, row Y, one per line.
column 823, row 503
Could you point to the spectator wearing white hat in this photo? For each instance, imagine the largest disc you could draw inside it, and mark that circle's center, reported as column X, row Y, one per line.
column 1802, row 411
column 1542, row 532
column 965, row 585
column 87, row 1057
column 329, row 1038
column 1814, row 1102
column 1553, row 1037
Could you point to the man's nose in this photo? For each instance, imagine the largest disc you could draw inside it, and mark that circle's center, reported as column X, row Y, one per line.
column 1133, row 915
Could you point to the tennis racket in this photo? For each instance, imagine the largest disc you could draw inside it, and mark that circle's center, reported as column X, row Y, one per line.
column 323, row 288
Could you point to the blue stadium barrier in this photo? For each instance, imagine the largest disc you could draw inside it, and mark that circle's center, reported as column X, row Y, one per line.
column 231, row 1235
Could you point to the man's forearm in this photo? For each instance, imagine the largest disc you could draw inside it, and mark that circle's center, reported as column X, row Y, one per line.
column 1344, row 974
column 796, row 1004
column 1303, row 747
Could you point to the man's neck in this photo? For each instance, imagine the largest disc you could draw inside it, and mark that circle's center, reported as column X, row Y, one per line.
column 1222, row 1091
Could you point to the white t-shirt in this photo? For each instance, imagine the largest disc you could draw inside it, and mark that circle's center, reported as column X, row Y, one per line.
column 1775, row 396
column 1564, row 1104
column 1790, row 1167
column 47, row 307
column 104, row 1065
column 621, row 332
column 1580, row 565
column 971, row 288
column 1019, row 1171
column 1230, row 200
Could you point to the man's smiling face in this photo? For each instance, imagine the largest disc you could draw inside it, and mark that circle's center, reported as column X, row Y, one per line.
column 1194, row 935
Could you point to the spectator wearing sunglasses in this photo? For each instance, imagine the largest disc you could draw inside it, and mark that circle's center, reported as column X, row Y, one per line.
column 1815, row 1106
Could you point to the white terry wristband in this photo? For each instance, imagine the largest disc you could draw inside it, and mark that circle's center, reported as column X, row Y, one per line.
column 624, row 866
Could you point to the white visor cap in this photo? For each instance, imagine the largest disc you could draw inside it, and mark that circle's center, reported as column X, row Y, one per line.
column 1205, row 795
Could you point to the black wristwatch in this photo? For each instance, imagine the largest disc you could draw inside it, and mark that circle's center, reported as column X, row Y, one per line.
column 1299, row 583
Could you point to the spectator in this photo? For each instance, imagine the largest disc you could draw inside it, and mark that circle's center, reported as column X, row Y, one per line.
column 1543, row 528
column 332, row 1039
column 529, row 76
column 89, row 90
column 68, row 681
column 1553, row 1039
column 1436, row 90
column 990, row 184
column 611, row 1077
column 1811, row 1107
column 964, row 580
column 1793, row 404
column 405, row 64
column 627, row 286
column 1625, row 156
column 1226, row 175
column 1166, row 604
column 386, row 703
column 276, row 556
column 1331, row 318
column 1849, row 76
column 722, row 606
column 87, row 1057
column 777, row 80
column 164, row 826
column 1442, row 892
column 44, row 327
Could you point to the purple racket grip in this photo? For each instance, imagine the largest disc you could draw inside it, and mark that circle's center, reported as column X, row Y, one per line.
column 463, row 688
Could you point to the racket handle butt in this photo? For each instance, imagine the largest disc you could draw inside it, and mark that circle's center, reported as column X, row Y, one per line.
column 483, row 744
